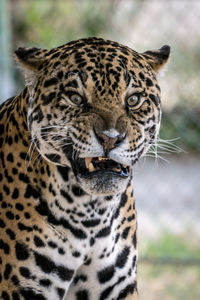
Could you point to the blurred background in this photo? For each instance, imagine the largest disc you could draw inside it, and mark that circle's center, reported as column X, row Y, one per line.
column 167, row 182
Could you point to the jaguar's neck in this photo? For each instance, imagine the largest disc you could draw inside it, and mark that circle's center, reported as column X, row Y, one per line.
column 66, row 197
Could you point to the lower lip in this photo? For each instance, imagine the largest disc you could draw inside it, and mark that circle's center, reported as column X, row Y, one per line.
column 104, row 173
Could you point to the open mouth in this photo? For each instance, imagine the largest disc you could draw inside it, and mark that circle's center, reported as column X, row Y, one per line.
column 91, row 166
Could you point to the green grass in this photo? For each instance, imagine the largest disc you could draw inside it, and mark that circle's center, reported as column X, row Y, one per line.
column 174, row 247
column 169, row 269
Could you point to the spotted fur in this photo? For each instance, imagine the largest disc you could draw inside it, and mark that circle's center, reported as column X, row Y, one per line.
column 64, row 235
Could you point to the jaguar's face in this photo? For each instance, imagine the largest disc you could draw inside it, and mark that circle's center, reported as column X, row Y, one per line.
column 97, row 110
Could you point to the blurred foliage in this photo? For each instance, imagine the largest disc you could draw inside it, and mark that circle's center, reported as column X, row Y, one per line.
column 168, row 282
column 184, row 124
column 172, row 246
column 168, row 267
column 51, row 23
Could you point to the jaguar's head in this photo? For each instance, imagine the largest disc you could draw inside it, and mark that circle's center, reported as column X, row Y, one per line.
column 94, row 105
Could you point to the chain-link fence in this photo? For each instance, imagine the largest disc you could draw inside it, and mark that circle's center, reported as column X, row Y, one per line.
column 167, row 187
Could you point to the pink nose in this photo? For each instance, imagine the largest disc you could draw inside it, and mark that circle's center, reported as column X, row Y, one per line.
column 108, row 142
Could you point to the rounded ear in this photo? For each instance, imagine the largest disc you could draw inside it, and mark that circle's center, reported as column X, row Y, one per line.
column 30, row 60
column 157, row 58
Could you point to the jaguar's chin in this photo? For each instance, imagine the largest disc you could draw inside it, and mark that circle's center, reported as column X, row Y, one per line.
column 101, row 175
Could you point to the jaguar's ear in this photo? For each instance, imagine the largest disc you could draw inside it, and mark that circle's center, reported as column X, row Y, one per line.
column 158, row 58
column 30, row 60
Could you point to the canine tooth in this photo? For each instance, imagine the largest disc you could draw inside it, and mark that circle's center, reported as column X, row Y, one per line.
column 88, row 161
column 91, row 167
column 116, row 169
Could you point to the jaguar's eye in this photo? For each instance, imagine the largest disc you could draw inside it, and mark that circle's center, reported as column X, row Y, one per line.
column 75, row 98
column 133, row 100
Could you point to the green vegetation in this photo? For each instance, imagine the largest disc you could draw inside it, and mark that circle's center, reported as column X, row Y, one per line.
column 168, row 282
column 172, row 270
column 182, row 123
column 172, row 246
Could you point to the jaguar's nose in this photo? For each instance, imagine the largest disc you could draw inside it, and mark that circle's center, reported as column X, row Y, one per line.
column 108, row 141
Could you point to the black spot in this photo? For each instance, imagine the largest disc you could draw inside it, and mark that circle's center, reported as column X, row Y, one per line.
column 134, row 239
column 15, row 296
column 23, row 227
column 6, row 189
column 103, row 232
column 27, row 215
column 76, row 254
column 29, row 294
column 104, row 295
column 25, row 272
column 31, row 192
column 60, row 292
column 141, row 76
column 38, row 242
column 106, row 274
column 4, row 204
column 21, row 251
column 7, row 271
column 61, row 251
column 129, row 289
column 4, row 246
column 10, row 215
column 19, row 206
column 66, row 196
column 5, row 296
column 50, row 82
column 82, row 295
column 131, row 218
column 48, row 98
column 155, row 99
column 92, row 241
column 108, row 198
column 14, row 171
column 1, row 128
column 10, row 157
column 23, row 177
column 77, row 191
column 122, row 257
column 54, row 56
column 10, row 140
column 63, row 172
column 149, row 82
column 15, row 194
column 91, row 223
column 52, row 244
column 134, row 261
column 72, row 83
column 126, row 232
column 53, row 157
column 87, row 261
column 10, row 233
column 81, row 277
column 123, row 201
column 8, row 177
column 2, row 224
column 48, row 266
column 45, row 282
column 24, row 155
column 15, row 280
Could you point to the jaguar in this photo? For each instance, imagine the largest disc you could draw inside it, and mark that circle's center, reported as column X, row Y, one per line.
column 69, row 141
